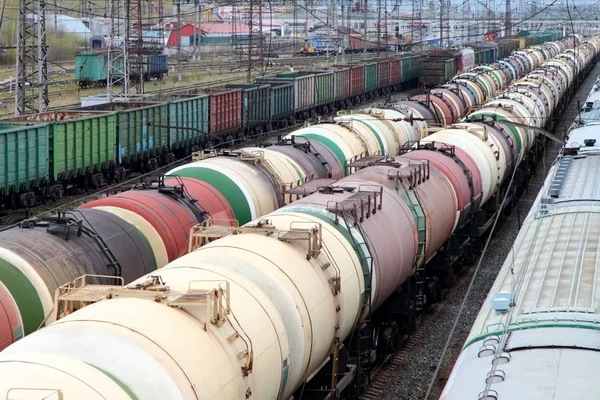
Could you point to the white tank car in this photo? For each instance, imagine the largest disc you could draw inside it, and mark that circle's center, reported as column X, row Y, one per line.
column 538, row 333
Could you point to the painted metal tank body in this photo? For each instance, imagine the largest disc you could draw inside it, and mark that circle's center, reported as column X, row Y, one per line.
column 339, row 139
column 435, row 195
column 441, row 108
column 11, row 323
column 476, row 89
column 38, row 372
column 405, row 131
column 248, row 190
column 145, row 228
column 509, row 66
column 479, row 149
column 458, row 177
column 169, row 217
column 466, row 95
column 522, row 138
column 316, row 160
column 37, row 260
column 416, row 107
column 390, row 231
column 208, row 198
column 458, row 104
column 371, row 129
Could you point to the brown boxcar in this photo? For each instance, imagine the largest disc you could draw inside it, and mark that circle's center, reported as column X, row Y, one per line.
column 383, row 73
column 225, row 110
column 395, row 71
column 356, row 79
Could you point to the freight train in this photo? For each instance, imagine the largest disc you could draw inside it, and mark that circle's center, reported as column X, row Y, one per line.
column 351, row 43
column 91, row 65
column 536, row 335
column 50, row 153
column 344, row 244
column 439, row 66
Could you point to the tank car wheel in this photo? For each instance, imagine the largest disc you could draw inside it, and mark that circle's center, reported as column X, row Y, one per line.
column 44, row 194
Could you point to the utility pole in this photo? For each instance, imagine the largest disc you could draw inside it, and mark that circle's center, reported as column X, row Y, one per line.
column 255, row 39
column 365, row 28
column 195, row 30
column 379, row 31
column 508, row 23
column 135, row 41
column 178, row 40
column 118, row 70
column 32, row 58
column 441, row 23
column 421, row 25
column 385, row 27
column 296, row 47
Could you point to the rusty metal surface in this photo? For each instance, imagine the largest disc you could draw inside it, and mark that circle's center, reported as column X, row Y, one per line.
column 55, row 259
column 54, row 116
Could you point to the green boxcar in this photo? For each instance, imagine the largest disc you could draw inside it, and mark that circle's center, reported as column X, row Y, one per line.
column 255, row 103
column 142, row 128
column 186, row 111
column 324, row 86
column 80, row 141
column 304, row 88
column 479, row 57
column 410, row 68
column 370, row 77
column 281, row 101
column 24, row 156
column 92, row 66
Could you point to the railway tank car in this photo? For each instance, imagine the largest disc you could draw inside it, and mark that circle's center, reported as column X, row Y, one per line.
column 536, row 335
column 121, row 236
column 261, row 309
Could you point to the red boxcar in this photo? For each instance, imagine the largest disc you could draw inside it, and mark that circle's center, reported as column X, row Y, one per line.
column 383, row 73
column 356, row 79
column 224, row 109
column 395, row 71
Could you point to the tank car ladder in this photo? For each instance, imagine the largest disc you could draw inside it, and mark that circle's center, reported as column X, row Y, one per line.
column 67, row 220
column 406, row 184
column 352, row 219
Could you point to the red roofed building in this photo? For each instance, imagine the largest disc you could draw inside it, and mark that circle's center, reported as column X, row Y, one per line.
column 210, row 28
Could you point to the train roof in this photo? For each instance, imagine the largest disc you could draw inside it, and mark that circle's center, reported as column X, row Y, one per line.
column 585, row 139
